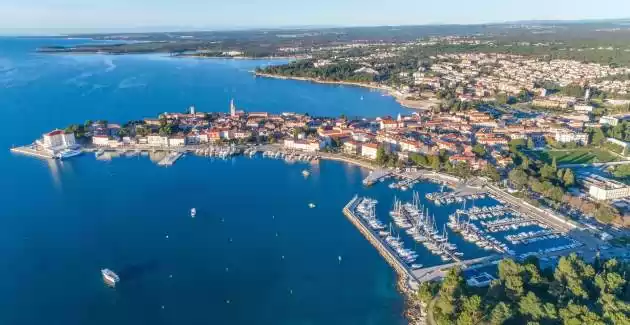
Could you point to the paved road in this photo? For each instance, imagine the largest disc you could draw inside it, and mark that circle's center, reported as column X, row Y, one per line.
column 559, row 222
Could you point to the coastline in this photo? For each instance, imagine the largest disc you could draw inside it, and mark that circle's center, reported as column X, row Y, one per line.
column 408, row 103
column 236, row 57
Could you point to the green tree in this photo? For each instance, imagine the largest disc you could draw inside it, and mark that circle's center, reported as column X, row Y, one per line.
column 597, row 136
column 569, row 278
column 518, row 177
column 471, row 312
column 575, row 314
column 491, row 172
column 381, row 156
column 435, row 162
column 547, row 172
column 530, row 305
column 568, row 178
column 500, row 313
column 479, row 150
column 426, row 292
column 530, row 143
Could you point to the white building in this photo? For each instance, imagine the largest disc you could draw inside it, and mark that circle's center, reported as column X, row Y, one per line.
column 304, row 145
column 100, row 140
column 613, row 119
column 568, row 136
column 157, row 141
column 583, row 108
column 369, row 150
column 57, row 140
column 620, row 143
column 177, row 141
column 602, row 189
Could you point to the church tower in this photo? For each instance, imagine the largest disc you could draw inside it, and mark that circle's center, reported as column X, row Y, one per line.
column 232, row 108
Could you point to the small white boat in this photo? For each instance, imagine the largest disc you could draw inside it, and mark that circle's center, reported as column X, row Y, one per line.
column 311, row 205
column 193, row 212
column 306, row 173
column 110, row 277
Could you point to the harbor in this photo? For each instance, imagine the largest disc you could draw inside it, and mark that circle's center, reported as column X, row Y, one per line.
column 424, row 239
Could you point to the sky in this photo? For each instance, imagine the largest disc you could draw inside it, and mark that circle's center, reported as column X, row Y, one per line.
column 110, row 15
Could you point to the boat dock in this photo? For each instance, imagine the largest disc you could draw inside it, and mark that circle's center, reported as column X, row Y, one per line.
column 501, row 224
column 170, row 159
column 375, row 176
column 32, row 151
column 532, row 236
column 390, row 256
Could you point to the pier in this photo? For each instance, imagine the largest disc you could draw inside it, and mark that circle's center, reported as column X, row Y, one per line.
column 399, row 266
column 508, row 222
column 32, row 151
column 170, row 159
column 375, row 176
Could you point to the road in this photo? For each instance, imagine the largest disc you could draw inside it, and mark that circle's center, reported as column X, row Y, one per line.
column 558, row 222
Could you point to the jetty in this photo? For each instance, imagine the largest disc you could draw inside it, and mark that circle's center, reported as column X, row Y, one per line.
column 375, row 176
column 388, row 254
column 170, row 159
column 33, row 151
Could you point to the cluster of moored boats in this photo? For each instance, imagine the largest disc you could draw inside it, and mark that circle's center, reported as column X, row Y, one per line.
column 222, row 152
column 403, row 185
column 420, row 225
column 480, row 213
column 528, row 237
column 473, row 234
column 365, row 209
column 441, row 198
column 289, row 156
column 509, row 223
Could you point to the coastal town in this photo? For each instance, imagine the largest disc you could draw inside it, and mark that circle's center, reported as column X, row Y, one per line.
column 445, row 68
column 413, row 147
column 506, row 176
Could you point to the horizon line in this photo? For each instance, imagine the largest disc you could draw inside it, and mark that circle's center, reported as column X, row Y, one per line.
column 70, row 31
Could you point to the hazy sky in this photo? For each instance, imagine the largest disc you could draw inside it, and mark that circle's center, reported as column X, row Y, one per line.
column 58, row 15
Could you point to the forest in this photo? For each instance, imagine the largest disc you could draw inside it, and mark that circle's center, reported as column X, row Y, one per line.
column 573, row 293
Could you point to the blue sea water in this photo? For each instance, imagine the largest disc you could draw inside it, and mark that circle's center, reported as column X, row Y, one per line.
column 255, row 253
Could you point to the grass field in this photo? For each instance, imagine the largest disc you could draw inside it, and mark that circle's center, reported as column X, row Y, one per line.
column 574, row 156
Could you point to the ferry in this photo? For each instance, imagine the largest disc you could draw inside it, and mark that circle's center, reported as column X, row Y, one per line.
column 193, row 212
column 110, row 277
column 68, row 153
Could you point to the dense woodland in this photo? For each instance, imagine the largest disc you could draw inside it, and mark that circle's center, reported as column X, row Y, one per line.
column 574, row 293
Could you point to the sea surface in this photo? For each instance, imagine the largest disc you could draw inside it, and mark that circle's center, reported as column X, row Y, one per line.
column 254, row 254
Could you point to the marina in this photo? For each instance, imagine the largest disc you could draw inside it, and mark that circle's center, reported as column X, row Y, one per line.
column 421, row 226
